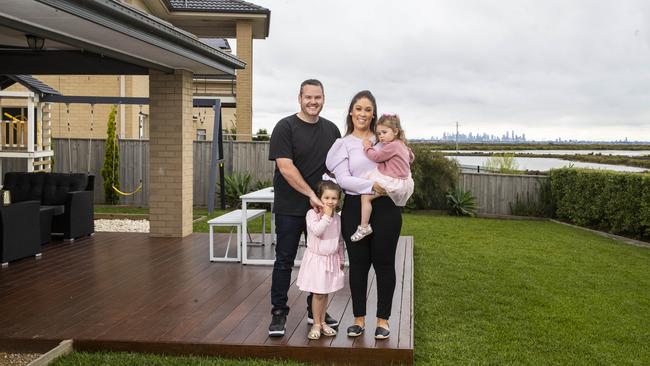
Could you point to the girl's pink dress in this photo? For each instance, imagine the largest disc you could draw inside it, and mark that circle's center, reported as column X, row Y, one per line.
column 320, row 269
column 393, row 172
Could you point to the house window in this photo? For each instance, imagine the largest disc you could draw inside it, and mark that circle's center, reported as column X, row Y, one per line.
column 201, row 134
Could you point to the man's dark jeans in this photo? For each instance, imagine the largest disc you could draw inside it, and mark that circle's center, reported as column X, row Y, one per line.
column 288, row 229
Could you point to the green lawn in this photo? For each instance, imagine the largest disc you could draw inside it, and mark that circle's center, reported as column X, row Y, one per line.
column 137, row 359
column 509, row 292
column 527, row 292
column 121, row 209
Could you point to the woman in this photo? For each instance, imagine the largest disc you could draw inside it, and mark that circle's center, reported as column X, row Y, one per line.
column 347, row 161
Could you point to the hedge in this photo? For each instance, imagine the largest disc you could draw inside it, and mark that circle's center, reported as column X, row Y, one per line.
column 611, row 201
column 434, row 176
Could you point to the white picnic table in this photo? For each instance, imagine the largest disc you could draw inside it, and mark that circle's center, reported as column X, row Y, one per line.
column 264, row 195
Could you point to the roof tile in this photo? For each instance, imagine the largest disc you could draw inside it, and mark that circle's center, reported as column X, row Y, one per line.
column 226, row 6
column 29, row 82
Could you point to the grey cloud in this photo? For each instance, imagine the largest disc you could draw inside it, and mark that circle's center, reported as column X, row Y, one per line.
column 575, row 68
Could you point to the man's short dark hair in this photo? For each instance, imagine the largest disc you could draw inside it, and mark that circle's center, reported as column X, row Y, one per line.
column 312, row 82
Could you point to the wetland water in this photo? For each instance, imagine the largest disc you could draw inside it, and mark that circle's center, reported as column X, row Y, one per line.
column 558, row 152
column 545, row 164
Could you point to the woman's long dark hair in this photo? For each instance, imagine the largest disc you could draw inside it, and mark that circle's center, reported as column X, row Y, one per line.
column 360, row 95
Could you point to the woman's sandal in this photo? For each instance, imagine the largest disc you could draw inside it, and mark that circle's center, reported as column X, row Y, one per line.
column 314, row 332
column 382, row 332
column 361, row 232
column 327, row 331
column 355, row 330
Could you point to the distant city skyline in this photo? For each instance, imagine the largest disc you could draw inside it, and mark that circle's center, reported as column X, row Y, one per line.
column 512, row 136
column 509, row 136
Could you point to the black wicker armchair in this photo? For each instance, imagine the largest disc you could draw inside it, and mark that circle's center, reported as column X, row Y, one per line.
column 18, row 238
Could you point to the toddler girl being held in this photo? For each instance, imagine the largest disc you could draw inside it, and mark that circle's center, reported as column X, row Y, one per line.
column 393, row 172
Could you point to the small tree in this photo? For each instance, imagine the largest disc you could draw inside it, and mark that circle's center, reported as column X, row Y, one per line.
column 110, row 171
column 261, row 135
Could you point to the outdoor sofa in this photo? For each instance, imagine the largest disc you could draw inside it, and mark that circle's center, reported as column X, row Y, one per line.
column 18, row 239
column 65, row 197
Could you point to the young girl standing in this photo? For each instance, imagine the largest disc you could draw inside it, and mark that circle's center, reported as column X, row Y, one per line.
column 393, row 172
column 321, row 269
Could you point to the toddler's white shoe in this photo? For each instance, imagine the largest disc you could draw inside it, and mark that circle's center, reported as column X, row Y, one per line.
column 361, row 232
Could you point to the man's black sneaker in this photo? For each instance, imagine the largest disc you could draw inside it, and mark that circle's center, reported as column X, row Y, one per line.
column 328, row 320
column 278, row 321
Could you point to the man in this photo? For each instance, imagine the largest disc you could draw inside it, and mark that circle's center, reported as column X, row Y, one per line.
column 299, row 146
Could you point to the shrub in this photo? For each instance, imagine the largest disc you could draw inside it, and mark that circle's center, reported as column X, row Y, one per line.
column 240, row 184
column 111, row 169
column 540, row 206
column 611, row 201
column 261, row 135
column 434, row 176
column 236, row 185
column 263, row 183
column 502, row 163
column 461, row 202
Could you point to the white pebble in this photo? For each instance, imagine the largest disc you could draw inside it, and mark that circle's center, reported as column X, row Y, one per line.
column 122, row 226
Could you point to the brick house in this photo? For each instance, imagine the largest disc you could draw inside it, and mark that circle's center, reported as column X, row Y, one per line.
column 213, row 21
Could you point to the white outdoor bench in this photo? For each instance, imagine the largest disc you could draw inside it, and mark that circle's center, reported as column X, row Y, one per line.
column 234, row 218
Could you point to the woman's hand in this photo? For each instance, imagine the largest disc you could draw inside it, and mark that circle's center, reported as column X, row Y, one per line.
column 366, row 143
column 378, row 189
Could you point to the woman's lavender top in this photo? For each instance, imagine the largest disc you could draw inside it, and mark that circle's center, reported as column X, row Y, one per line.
column 350, row 165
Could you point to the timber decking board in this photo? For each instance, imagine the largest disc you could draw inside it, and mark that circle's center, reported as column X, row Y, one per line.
column 129, row 291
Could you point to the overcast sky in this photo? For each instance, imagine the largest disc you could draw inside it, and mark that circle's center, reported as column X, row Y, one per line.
column 569, row 69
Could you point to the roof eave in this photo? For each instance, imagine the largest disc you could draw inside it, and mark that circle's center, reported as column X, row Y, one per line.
column 115, row 15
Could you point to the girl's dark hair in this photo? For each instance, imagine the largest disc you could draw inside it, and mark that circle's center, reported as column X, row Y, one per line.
column 360, row 95
column 325, row 185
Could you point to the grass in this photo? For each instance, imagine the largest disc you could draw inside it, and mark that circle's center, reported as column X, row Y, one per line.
column 507, row 292
column 106, row 209
column 521, row 292
column 200, row 226
column 123, row 359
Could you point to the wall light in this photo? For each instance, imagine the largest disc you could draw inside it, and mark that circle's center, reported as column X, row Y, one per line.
column 35, row 42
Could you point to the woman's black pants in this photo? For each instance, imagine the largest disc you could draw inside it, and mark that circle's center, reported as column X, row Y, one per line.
column 377, row 249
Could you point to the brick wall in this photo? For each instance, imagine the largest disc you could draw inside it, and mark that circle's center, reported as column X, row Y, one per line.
column 135, row 86
column 245, row 80
column 170, row 154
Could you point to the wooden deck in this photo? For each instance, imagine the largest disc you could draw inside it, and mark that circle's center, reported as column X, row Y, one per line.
column 127, row 291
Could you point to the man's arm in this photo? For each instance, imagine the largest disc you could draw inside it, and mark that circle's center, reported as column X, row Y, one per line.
column 297, row 182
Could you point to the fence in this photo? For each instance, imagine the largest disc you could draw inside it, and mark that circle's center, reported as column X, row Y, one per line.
column 494, row 192
column 241, row 157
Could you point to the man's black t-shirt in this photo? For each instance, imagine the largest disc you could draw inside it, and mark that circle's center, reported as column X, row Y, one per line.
column 307, row 145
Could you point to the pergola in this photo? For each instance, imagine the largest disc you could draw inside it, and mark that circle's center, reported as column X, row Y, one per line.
column 108, row 37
